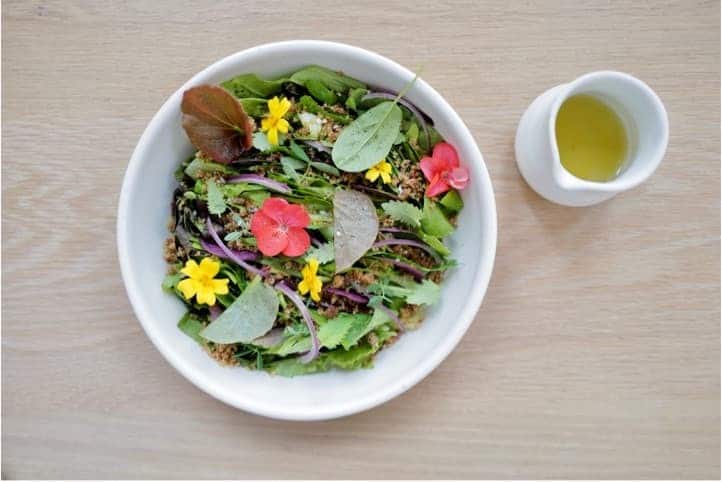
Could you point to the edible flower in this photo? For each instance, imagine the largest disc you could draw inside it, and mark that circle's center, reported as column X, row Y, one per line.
column 279, row 228
column 311, row 283
column 201, row 283
column 443, row 171
column 382, row 169
column 274, row 122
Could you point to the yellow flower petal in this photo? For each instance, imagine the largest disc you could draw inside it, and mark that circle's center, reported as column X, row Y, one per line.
column 282, row 125
column 191, row 269
column 205, row 295
column 220, row 286
column 303, row 286
column 273, row 136
column 372, row 174
column 284, row 105
column 384, row 167
column 188, row 287
column 266, row 124
column 209, row 267
column 313, row 265
column 385, row 177
column 274, row 106
column 315, row 295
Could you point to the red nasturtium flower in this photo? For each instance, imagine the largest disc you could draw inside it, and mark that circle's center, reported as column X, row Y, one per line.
column 443, row 170
column 279, row 228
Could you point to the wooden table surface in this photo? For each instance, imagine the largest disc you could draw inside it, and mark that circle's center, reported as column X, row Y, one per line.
column 596, row 352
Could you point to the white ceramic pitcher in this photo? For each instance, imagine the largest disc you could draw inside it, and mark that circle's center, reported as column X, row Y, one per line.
column 641, row 111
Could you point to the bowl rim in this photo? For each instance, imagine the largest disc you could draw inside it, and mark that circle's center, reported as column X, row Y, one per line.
column 363, row 402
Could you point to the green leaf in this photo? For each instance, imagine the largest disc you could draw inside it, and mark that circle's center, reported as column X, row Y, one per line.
column 354, row 98
column 260, row 142
column 435, row 139
column 334, row 81
column 251, row 315
column 191, row 327
column 254, row 107
column 170, row 281
column 320, row 92
column 332, row 332
column 355, row 358
column 400, row 138
column 435, row 243
column 234, row 236
column 368, row 139
column 362, row 326
column 216, row 203
column 198, row 166
column 298, row 153
column 403, row 212
column 289, row 166
column 452, row 201
column 323, row 253
column 308, row 104
column 412, row 134
column 327, row 168
column 250, row 85
column 290, row 345
column 425, row 293
column 434, row 221
column 355, row 227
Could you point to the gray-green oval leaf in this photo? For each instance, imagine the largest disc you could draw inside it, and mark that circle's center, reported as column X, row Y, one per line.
column 355, row 227
column 251, row 315
column 368, row 139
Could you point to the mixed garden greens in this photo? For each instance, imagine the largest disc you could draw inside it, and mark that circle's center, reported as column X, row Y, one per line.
column 307, row 229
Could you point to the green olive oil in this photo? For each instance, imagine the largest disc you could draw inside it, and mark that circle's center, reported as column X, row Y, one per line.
column 591, row 138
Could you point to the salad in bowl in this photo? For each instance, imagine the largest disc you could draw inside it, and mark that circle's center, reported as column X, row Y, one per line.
column 307, row 229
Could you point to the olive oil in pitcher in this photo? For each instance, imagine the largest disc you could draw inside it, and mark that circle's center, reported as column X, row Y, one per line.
column 591, row 138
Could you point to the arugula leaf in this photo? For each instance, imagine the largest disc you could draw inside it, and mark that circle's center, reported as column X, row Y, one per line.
column 323, row 253
column 250, row 85
column 425, row 293
column 189, row 325
column 334, row 81
column 367, row 139
column 251, row 315
column 216, row 123
column 403, row 212
column 452, row 201
column 434, row 222
column 298, row 153
column 332, row 332
column 362, row 326
column 216, row 203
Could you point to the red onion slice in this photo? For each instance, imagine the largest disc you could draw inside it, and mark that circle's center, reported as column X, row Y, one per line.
column 231, row 255
column 414, row 110
column 406, row 242
column 296, row 300
column 216, row 251
column 390, row 313
column 349, row 295
column 415, row 272
column 261, row 181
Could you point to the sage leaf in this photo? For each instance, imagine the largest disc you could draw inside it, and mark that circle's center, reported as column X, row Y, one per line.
column 216, row 203
column 250, row 316
column 355, row 227
column 368, row 139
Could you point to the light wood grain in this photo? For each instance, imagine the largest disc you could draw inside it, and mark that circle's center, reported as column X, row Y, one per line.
column 596, row 353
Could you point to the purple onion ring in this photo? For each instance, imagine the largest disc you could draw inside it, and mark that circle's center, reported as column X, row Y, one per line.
column 261, row 181
column 283, row 287
column 231, row 255
column 406, row 242
column 349, row 295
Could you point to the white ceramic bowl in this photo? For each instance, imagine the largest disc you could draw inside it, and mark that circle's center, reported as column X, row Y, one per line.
column 144, row 209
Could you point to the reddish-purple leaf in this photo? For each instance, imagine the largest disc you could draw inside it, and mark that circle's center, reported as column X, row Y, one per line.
column 216, row 123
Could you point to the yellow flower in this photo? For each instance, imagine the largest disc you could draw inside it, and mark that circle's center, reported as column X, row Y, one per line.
column 382, row 169
column 311, row 283
column 200, row 281
column 274, row 122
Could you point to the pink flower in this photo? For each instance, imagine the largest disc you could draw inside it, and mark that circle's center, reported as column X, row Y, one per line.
column 279, row 228
column 443, row 171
